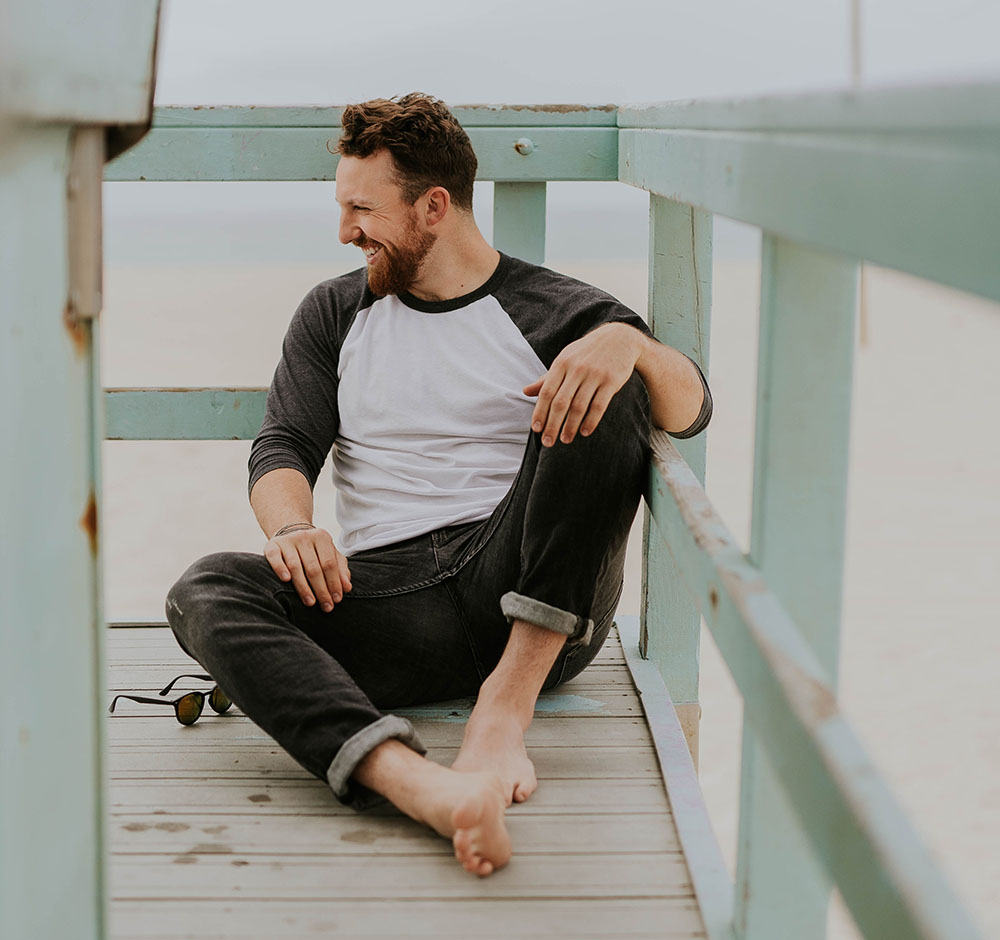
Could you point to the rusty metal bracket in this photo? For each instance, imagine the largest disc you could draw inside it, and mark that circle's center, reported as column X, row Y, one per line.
column 83, row 203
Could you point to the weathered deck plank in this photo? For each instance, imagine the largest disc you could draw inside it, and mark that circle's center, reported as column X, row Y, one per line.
column 588, row 919
column 216, row 832
column 274, row 797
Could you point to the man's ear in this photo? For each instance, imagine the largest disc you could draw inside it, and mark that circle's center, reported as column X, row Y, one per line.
column 437, row 202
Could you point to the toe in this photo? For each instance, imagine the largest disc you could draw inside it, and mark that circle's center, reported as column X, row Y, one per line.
column 523, row 790
column 462, row 841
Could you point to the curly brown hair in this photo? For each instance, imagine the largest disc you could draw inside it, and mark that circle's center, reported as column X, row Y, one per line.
column 428, row 146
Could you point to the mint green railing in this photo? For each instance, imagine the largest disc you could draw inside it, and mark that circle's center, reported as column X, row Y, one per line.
column 908, row 179
column 76, row 86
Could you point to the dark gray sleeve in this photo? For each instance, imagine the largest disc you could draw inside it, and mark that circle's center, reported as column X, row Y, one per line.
column 704, row 416
column 301, row 420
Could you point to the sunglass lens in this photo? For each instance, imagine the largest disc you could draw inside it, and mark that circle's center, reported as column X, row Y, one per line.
column 219, row 700
column 189, row 708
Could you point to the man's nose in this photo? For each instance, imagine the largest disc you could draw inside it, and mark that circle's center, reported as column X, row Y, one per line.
column 349, row 231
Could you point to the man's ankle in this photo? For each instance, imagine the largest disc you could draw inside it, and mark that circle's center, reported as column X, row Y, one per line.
column 496, row 705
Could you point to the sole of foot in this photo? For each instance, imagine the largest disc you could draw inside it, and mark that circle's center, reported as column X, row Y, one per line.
column 480, row 837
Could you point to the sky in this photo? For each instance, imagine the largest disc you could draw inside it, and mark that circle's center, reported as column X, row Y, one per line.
column 519, row 51
column 317, row 52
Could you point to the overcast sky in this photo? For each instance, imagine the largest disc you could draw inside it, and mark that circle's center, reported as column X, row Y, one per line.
column 322, row 52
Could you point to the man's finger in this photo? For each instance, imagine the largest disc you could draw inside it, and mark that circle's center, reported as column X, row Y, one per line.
column 294, row 565
column 331, row 572
column 551, row 382
column 272, row 552
column 533, row 389
column 597, row 408
column 578, row 411
column 560, row 406
column 316, row 575
column 345, row 571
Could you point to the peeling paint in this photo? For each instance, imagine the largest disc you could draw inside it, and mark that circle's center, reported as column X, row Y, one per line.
column 542, row 108
column 88, row 521
column 229, row 389
column 77, row 330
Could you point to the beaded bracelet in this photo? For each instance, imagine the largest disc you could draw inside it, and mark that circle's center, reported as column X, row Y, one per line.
column 291, row 527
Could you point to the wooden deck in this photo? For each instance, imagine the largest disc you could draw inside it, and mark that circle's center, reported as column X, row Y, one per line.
column 216, row 832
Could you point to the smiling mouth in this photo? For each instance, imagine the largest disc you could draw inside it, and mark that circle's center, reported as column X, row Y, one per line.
column 371, row 251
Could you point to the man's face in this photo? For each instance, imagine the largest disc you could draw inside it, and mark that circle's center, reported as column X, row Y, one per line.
column 375, row 217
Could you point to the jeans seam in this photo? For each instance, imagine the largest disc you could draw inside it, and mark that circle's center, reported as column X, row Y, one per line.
column 434, row 549
column 406, row 589
column 468, row 633
column 599, row 620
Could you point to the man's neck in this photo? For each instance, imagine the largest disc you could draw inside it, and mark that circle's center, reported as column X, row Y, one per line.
column 456, row 265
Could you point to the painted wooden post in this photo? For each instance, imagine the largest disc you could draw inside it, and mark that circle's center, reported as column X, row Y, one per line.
column 807, row 335
column 73, row 87
column 51, row 800
column 519, row 220
column 680, row 300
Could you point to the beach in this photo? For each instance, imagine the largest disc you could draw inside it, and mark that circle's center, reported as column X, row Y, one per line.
column 920, row 641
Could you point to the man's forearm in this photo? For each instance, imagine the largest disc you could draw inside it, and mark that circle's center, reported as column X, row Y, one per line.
column 280, row 498
column 675, row 390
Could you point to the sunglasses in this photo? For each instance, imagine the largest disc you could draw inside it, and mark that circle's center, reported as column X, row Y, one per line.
column 187, row 708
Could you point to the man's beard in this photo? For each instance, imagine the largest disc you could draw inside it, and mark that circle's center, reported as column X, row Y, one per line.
column 396, row 269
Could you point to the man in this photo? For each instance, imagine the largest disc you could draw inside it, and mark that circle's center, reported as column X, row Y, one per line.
column 489, row 422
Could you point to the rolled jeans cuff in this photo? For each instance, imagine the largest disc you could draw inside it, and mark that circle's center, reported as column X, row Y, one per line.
column 356, row 748
column 578, row 630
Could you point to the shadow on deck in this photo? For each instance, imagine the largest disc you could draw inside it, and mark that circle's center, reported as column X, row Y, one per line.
column 216, row 832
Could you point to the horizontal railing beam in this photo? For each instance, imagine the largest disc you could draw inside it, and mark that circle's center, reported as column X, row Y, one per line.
column 858, row 832
column 183, row 414
column 515, row 153
column 925, row 204
column 974, row 107
column 475, row 115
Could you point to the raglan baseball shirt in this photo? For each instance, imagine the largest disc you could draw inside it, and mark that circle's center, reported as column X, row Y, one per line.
column 421, row 401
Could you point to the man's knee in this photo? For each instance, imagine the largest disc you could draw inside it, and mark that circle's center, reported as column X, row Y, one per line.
column 627, row 414
column 620, row 442
column 210, row 581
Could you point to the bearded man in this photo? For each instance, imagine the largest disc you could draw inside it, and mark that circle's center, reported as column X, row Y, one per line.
column 489, row 421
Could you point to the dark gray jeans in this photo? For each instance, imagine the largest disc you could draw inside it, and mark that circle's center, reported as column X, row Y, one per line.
column 427, row 619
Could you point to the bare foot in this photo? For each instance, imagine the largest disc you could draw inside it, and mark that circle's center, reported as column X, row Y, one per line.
column 494, row 743
column 469, row 809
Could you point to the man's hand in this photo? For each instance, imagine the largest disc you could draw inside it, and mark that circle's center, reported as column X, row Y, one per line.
column 309, row 559
column 584, row 377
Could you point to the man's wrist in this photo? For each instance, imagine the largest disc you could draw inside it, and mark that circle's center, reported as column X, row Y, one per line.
column 634, row 338
column 292, row 527
column 646, row 347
